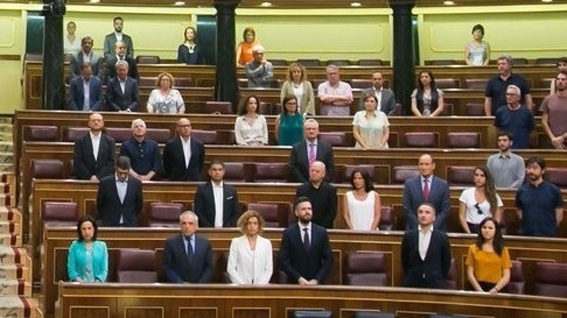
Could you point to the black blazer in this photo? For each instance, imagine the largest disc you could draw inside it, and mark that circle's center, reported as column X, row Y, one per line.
column 109, row 69
column 176, row 263
column 439, row 196
column 205, row 205
column 299, row 161
column 84, row 163
column 174, row 160
column 116, row 101
column 431, row 272
column 296, row 262
column 108, row 202
column 388, row 104
column 77, row 94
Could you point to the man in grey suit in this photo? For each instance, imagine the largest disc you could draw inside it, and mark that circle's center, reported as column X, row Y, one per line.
column 85, row 56
column 116, row 36
column 386, row 99
column 426, row 188
column 122, row 91
column 85, row 91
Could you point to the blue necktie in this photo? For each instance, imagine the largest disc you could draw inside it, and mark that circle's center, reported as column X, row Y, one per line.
column 190, row 251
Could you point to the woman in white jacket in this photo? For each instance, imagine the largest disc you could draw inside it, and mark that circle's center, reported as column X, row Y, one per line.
column 250, row 257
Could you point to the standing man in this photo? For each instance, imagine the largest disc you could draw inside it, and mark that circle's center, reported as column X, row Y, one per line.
column 119, row 198
column 183, row 156
column 86, row 55
column 426, row 252
column 187, row 257
column 259, row 71
column 539, row 202
column 335, row 95
column 122, row 91
column 515, row 118
column 117, row 35
column 507, row 169
column 85, row 92
column 143, row 153
column 216, row 203
column 305, row 251
column 495, row 93
column 385, row 96
column 110, row 70
column 426, row 188
column 321, row 194
column 93, row 153
column 306, row 152
column 554, row 112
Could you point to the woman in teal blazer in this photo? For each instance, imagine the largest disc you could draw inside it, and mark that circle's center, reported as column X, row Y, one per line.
column 87, row 261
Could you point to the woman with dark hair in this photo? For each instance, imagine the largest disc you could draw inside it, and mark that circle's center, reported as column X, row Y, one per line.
column 480, row 201
column 426, row 99
column 488, row 261
column 250, row 128
column 289, row 124
column 244, row 49
column 189, row 52
column 361, row 209
column 477, row 51
column 370, row 127
column 87, row 260
column 296, row 84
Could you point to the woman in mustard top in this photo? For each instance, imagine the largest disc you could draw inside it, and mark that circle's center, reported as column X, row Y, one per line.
column 488, row 261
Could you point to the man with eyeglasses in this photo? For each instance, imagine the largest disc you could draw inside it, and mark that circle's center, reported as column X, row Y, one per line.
column 143, row 153
column 183, row 156
column 554, row 113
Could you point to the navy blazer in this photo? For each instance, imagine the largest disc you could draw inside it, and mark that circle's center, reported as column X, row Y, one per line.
column 84, row 163
column 296, row 262
column 174, row 160
column 388, row 104
column 108, row 204
column 77, row 94
column 176, row 263
column 299, row 161
column 116, row 101
column 439, row 196
column 78, row 60
column 205, row 205
column 434, row 269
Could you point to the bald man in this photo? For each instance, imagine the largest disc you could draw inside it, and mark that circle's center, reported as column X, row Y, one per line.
column 322, row 194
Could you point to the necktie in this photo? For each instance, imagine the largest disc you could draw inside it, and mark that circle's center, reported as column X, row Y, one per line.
column 306, row 238
column 425, row 189
column 190, row 251
column 312, row 156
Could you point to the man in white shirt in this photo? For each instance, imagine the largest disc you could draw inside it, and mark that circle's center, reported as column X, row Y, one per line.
column 93, row 153
column 335, row 95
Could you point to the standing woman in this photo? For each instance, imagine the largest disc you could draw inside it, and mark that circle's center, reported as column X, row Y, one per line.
column 165, row 99
column 87, row 261
column 426, row 99
column 297, row 84
column 488, row 261
column 189, row 52
column 244, row 49
column 370, row 127
column 250, row 257
column 361, row 209
column 479, row 202
column 289, row 124
column 477, row 51
column 250, row 128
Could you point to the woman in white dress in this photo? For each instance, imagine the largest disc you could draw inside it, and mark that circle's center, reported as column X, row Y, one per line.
column 250, row 128
column 480, row 201
column 477, row 51
column 361, row 209
column 370, row 127
column 250, row 257
column 165, row 99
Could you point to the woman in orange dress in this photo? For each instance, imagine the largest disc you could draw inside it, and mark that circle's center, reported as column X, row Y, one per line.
column 244, row 49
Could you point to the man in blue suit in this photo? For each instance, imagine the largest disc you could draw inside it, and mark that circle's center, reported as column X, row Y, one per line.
column 426, row 188
column 426, row 252
column 122, row 92
column 86, row 91
column 305, row 251
column 188, row 258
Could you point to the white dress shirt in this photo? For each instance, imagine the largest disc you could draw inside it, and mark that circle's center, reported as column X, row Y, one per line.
column 95, row 139
column 218, row 194
column 424, row 240
column 186, row 145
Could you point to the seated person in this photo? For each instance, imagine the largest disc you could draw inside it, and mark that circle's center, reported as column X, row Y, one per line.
column 87, row 260
column 85, row 91
column 122, row 92
column 259, row 71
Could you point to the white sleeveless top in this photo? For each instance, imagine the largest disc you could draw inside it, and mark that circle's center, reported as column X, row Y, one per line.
column 361, row 212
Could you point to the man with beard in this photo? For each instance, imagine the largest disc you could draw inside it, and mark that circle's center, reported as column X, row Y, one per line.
column 554, row 112
column 495, row 93
column 85, row 56
column 116, row 36
column 515, row 118
column 538, row 202
column 507, row 169
column 305, row 251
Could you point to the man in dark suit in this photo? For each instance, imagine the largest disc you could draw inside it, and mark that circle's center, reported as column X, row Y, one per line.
column 305, row 251
column 109, row 70
column 93, row 154
column 322, row 194
column 385, row 97
column 183, row 156
column 86, row 91
column 426, row 188
column 117, row 35
column 85, row 56
column 216, row 203
column 119, row 197
column 426, row 252
column 187, row 257
column 122, row 91
column 305, row 152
